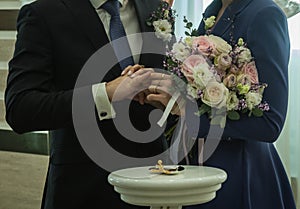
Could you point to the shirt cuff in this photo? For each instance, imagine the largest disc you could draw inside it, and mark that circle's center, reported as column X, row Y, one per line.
column 103, row 105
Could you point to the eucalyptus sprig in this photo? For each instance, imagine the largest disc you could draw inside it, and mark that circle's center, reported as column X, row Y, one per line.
column 189, row 25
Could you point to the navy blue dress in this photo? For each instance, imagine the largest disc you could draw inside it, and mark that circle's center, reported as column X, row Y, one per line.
column 256, row 176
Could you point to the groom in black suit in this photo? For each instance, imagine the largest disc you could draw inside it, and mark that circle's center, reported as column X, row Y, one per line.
column 55, row 39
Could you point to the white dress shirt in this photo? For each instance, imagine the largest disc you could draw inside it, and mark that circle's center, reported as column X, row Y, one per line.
column 131, row 25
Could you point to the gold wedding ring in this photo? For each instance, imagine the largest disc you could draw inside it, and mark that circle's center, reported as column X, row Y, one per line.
column 155, row 89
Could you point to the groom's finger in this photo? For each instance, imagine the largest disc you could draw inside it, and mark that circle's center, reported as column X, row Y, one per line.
column 141, row 72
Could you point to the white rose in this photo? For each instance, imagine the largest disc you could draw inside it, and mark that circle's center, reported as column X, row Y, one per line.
column 243, row 55
column 163, row 29
column 232, row 101
column 203, row 75
column 221, row 45
column 181, row 52
column 253, row 99
column 215, row 95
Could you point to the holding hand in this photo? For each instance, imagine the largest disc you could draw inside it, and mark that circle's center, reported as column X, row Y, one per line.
column 161, row 91
column 125, row 87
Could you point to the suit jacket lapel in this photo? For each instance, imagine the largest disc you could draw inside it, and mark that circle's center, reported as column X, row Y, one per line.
column 87, row 19
column 144, row 8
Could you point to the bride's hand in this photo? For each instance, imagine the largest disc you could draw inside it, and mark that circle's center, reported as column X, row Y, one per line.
column 162, row 90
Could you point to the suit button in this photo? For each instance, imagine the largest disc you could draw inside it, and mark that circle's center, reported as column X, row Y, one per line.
column 103, row 114
column 229, row 139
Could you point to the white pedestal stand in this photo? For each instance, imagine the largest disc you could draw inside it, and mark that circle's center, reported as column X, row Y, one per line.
column 194, row 185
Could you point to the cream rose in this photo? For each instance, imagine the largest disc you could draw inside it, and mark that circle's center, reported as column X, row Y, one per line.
column 230, row 81
column 221, row 45
column 215, row 95
column 223, row 61
column 253, row 99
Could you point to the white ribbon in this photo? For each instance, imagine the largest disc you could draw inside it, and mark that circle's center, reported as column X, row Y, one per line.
column 168, row 109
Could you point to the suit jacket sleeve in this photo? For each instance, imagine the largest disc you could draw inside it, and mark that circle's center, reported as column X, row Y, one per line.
column 268, row 39
column 32, row 102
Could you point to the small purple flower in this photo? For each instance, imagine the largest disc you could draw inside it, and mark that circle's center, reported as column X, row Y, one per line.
column 264, row 106
column 242, row 104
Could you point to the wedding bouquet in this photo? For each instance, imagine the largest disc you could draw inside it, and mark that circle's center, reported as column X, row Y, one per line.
column 218, row 75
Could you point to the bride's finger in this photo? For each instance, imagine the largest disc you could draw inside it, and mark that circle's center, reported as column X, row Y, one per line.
column 160, row 76
column 155, row 89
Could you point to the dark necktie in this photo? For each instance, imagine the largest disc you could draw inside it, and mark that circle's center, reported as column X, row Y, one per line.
column 116, row 31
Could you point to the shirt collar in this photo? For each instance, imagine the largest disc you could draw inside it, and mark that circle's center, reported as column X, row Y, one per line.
column 98, row 3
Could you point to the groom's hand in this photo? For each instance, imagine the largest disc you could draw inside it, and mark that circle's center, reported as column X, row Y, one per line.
column 126, row 87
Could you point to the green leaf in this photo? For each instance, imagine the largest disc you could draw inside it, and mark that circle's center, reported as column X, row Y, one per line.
column 187, row 33
column 189, row 25
column 244, row 111
column 149, row 23
column 257, row 112
column 184, row 19
column 194, row 32
column 233, row 115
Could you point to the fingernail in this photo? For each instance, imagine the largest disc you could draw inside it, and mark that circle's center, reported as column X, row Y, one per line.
column 129, row 73
column 123, row 72
column 132, row 76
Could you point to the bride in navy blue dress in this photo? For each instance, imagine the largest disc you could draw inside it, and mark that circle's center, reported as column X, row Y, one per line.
column 256, row 176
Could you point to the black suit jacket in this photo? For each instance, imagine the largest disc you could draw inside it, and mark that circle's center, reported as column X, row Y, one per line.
column 55, row 39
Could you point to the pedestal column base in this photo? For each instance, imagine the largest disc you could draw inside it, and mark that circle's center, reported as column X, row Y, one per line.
column 165, row 207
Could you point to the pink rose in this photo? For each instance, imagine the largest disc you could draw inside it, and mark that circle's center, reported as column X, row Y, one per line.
column 251, row 70
column 190, row 66
column 204, row 45
column 234, row 69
